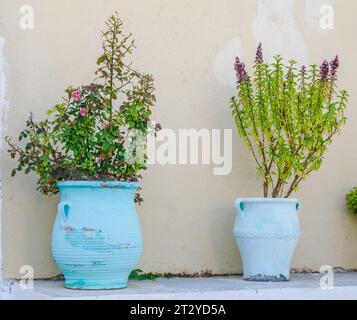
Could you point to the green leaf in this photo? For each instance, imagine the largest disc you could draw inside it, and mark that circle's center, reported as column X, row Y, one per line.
column 101, row 59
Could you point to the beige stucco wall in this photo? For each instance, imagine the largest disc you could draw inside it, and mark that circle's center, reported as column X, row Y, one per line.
column 188, row 45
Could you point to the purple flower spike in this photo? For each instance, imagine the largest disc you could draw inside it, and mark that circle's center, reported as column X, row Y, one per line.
column 303, row 71
column 303, row 74
column 240, row 71
column 324, row 70
column 335, row 63
column 259, row 54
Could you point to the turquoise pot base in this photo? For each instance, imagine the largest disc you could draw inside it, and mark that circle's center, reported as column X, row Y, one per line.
column 97, row 285
column 261, row 278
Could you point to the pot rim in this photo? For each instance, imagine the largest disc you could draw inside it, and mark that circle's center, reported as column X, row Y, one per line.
column 98, row 184
column 284, row 200
column 240, row 201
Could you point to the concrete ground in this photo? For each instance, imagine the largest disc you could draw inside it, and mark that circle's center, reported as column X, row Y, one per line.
column 301, row 286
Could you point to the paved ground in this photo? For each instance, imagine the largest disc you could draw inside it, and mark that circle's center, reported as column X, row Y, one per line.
column 301, row 286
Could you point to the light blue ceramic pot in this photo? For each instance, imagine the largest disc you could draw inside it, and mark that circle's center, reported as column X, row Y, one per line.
column 96, row 239
column 267, row 231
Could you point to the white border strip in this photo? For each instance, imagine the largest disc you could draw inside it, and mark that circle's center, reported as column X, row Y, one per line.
column 3, row 108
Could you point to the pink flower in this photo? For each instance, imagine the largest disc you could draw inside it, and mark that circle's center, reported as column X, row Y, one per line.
column 83, row 111
column 104, row 126
column 158, row 127
column 102, row 156
column 90, row 86
column 76, row 95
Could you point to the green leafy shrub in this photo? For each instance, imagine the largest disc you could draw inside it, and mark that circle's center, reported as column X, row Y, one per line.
column 287, row 117
column 84, row 137
column 352, row 200
column 139, row 274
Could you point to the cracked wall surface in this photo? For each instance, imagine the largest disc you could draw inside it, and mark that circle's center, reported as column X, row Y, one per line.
column 189, row 46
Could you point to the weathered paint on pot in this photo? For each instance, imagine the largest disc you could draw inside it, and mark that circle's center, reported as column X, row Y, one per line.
column 96, row 239
column 267, row 231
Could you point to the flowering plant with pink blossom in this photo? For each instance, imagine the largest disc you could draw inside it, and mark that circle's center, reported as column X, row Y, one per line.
column 84, row 137
column 76, row 95
column 287, row 117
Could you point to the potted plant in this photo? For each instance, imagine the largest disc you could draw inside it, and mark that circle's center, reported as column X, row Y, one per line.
column 287, row 117
column 351, row 198
column 87, row 150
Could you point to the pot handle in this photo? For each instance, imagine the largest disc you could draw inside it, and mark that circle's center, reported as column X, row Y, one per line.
column 63, row 209
column 240, row 206
column 298, row 205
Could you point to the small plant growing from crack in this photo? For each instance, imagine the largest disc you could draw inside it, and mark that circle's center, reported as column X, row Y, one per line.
column 139, row 274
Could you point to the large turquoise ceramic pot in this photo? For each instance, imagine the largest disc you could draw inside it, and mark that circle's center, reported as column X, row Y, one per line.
column 96, row 239
column 267, row 232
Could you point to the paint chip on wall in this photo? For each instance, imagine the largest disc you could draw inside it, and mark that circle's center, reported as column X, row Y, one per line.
column 224, row 62
column 275, row 26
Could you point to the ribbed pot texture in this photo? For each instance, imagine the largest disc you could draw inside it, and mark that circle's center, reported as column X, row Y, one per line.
column 96, row 239
column 267, row 232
